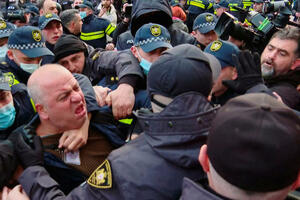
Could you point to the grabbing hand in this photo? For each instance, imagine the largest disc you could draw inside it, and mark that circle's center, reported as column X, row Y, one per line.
column 248, row 70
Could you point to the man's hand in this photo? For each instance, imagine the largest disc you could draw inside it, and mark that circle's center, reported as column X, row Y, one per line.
column 101, row 94
column 248, row 70
column 29, row 149
column 16, row 193
column 110, row 47
column 74, row 139
column 122, row 100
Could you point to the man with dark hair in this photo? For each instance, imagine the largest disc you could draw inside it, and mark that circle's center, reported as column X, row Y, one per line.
column 280, row 65
column 253, row 155
column 47, row 6
column 71, row 22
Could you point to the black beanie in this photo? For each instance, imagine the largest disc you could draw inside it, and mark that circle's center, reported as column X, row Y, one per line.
column 67, row 45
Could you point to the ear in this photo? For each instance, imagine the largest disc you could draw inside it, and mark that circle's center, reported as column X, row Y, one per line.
column 203, row 158
column 193, row 33
column 295, row 64
column 234, row 74
column 41, row 12
column 134, row 51
column 42, row 111
column 296, row 183
column 10, row 54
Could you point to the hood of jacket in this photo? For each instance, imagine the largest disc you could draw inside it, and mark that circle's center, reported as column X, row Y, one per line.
column 146, row 11
column 178, row 132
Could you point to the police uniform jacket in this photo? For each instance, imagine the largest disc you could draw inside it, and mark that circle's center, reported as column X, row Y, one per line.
column 149, row 167
column 199, row 6
column 24, row 109
column 194, row 191
column 95, row 29
column 112, row 65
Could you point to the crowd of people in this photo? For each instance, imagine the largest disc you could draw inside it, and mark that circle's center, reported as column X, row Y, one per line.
column 146, row 99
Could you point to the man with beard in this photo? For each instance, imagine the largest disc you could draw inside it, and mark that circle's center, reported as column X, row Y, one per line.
column 279, row 65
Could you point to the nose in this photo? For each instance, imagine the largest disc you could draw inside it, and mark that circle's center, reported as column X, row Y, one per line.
column 76, row 97
column 272, row 55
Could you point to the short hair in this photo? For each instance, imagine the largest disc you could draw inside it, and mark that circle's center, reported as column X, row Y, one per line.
column 289, row 33
column 40, row 4
column 35, row 93
column 68, row 16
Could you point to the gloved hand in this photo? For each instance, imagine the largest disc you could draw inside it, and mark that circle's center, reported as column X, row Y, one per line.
column 29, row 148
column 248, row 70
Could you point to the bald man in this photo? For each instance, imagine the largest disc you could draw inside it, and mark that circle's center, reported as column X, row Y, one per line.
column 61, row 106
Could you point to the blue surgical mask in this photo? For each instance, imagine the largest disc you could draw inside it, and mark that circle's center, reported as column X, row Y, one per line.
column 82, row 14
column 7, row 116
column 3, row 51
column 145, row 64
column 30, row 68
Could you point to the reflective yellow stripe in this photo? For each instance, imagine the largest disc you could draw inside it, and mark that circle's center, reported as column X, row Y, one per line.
column 92, row 37
column 110, row 28
column 200, row 5
column 92, row 33
column 33, row 105
column 210, row 5
column 126, row 121
column 233, row 4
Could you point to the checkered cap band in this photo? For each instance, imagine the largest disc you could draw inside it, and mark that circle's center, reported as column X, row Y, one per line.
column 6, row 31
column 204, row 25
column 27, row 46
column 150, row 40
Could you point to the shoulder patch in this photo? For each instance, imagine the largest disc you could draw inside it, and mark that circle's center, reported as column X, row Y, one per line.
column 96, row 55
column 101, row 177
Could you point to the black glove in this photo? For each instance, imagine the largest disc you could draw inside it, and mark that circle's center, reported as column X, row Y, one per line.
column 29, row 148
column 248, row 70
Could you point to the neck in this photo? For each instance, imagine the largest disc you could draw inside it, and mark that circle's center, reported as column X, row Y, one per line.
column 47, row 129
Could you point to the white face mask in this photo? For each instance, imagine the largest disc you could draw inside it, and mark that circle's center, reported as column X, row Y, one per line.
column 30, row 68
column 3, row 51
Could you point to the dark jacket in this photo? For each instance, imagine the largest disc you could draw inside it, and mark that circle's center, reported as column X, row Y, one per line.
column 286, row 87
column 24, row 109
column 154, row 11
column 111, row 64
column 194, row 191
column 151, row 166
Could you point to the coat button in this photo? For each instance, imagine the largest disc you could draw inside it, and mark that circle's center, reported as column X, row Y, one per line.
column 170, row 124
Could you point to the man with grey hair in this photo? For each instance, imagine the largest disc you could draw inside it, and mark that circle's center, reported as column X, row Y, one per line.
column 71, row 22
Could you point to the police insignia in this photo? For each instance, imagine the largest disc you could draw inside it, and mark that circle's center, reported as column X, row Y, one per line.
column 101, row 177
column 49, row 15
column 10, row 78
column 216, row 45
column 209, row 18
column 36, row 35
column 155, row 30
column 2, row 25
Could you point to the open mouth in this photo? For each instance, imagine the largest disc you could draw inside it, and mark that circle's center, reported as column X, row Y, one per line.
column 80, row 111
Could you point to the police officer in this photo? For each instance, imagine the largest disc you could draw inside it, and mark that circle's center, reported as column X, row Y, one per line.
column 51, row 27
column 6, row 29
column 195, row 8
column 15, row 106
column 223, row 51
column 258, row 5
column 203, row 29
column 267, row 130
column 152, row 11
column 26, row 47
column 222, row 6
column 94, row 29
column 146, row 167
